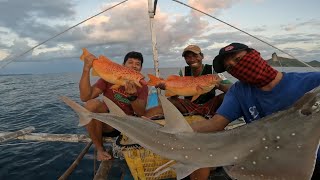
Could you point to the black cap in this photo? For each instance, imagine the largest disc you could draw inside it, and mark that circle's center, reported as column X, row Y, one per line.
column 218, row 61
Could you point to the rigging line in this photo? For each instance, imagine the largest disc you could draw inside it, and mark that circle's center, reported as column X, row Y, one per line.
column 7, row 62
column 177, row 1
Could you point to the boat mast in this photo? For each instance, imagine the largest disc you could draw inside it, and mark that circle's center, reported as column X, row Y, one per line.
column 152, row 4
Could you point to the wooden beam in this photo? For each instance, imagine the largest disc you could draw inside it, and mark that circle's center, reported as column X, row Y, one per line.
column 104, row 168
column 103, row 171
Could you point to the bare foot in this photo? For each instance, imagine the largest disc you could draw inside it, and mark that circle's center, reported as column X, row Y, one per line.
column 103, row 155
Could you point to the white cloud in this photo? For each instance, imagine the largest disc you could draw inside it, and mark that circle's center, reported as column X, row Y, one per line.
column 126, row 28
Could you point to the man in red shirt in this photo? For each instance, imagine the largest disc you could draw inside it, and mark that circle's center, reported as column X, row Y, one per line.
column 130, row 98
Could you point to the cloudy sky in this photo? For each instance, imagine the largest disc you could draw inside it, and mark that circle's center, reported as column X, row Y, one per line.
column 291, row 25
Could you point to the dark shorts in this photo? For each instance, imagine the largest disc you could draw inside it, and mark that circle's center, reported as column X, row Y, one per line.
column 113, row 133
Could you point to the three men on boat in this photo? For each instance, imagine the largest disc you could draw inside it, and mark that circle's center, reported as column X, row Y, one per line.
column 260, row 91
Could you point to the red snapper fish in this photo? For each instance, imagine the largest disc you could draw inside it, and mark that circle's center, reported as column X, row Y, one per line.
column 112, row 72
column 186, row 85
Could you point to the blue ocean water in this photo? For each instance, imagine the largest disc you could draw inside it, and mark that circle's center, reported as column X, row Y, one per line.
column 33, row 100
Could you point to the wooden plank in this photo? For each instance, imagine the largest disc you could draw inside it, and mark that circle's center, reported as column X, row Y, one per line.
column 103, row 171
column 14, row 135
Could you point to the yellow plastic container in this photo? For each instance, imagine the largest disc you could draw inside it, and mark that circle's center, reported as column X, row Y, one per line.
column 142, row 162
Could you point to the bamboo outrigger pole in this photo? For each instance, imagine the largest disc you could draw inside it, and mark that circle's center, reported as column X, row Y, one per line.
column 14, row 135
column 51, row 137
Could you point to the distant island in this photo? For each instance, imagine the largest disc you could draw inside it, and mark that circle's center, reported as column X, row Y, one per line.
column 287, row 62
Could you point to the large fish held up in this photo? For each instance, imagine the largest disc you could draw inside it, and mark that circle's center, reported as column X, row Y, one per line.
column 112, row 72
column 283, row 145
column 186, row 85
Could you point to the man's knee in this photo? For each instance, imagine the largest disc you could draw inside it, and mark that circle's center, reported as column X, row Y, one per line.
column 154, row 111
column 95, row 105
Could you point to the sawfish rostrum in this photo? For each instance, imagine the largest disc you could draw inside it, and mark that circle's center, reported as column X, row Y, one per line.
column 281, row 146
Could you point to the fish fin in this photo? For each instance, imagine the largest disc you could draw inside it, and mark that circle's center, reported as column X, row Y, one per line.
column 120, row 78
column 103, row 58
column 201, row 90
column 85, row 53
column 208, row 88
column 84, row 114
column 115, row 86
column 94, row 73
column 173, row 77
column 204, row 89
column 113, row 108
column 169, row 93
column 137, row 83
column 183, row 170
column 175, row 122
column 195, row 97
column 153, row 80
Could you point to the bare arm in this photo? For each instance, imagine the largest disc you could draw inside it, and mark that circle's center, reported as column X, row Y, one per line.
column 216, row 123
column 139, row 106
column 87, row 91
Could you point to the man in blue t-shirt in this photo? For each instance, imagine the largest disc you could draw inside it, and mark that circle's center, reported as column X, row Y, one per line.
column 260, row 91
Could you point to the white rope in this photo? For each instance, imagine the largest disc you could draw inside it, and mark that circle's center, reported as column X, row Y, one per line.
column 246, row 33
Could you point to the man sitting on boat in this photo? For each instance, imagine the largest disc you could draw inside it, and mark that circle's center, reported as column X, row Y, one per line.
column 206, row 104
column 260, row 91
column 130, row 98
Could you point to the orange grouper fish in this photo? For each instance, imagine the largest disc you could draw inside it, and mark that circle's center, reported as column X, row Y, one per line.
column 112, row 72
column 186, row 85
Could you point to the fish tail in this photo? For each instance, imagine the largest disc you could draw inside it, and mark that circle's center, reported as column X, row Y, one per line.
column 85, row 53
column 154, row 80
column 84, row 114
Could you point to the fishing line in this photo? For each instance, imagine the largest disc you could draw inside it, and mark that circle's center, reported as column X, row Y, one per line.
column 8, row 61
column 177, row 1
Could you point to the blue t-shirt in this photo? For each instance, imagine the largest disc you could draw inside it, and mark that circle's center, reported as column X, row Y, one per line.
column 252, row 103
